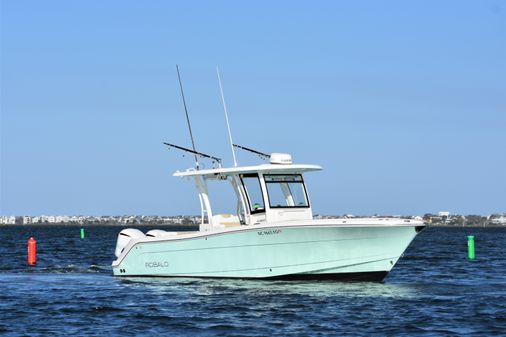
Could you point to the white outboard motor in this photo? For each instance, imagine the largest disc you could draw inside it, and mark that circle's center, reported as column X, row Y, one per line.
column 124, row 238
column 156, row 232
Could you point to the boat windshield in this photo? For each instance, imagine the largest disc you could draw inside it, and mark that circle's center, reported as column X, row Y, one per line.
column 251, row 184
column 286, row 190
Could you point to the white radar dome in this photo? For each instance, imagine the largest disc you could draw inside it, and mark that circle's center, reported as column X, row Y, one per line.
column 281, row 158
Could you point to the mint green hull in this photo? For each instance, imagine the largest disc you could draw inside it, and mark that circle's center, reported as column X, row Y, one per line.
column 269, row 252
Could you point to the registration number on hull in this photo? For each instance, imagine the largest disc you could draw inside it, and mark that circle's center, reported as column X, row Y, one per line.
column 269, row 232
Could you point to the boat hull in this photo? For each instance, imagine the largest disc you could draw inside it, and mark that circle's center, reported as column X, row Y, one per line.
column 356, row 253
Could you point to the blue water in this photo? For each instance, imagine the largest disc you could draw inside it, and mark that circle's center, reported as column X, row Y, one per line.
column 432, row 291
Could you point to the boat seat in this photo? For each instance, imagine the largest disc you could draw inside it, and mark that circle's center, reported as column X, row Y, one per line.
column 230, row 224
column 226, row 220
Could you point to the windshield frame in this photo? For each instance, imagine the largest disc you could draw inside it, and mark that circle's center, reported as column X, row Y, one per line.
column 301, row 181
column 244, row 186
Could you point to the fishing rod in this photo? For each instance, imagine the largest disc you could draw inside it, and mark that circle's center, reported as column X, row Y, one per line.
column 195, row 153
column 187, row 119
column 261, row 154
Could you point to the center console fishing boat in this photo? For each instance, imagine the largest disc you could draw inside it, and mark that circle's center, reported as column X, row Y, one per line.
column 273, row 234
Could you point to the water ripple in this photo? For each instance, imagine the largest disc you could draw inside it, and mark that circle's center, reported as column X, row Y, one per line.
column 433, row 291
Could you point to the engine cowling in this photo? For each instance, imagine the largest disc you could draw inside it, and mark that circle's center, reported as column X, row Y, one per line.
column 156, row 232
column 124, row 238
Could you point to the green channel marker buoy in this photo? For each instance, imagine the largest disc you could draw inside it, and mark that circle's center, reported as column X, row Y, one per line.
column 470, row 247
column 82, row 233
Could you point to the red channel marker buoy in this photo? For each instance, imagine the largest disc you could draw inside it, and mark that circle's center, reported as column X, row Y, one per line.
column 32, row 251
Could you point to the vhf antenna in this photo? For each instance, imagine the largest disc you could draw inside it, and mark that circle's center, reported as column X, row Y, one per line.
column 187, row 118
column 226, row 116
column 260, row 154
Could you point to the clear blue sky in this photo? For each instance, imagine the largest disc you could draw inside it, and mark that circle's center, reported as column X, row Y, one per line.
column 402, row 102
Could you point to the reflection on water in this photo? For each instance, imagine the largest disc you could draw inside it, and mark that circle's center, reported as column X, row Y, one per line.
column 270, row 288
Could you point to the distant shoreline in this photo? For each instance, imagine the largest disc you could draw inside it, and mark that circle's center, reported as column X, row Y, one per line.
column 98, row 225
column 470, row 226
column 194, row 225
column 442, row 219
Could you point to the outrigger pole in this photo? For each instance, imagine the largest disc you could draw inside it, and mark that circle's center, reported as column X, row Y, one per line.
column 226, row 116
column 188, row 121
column 195, row 153
column 261, row 154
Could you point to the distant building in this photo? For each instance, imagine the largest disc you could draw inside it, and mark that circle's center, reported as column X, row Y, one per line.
column 498, row 219
column 8, row 220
